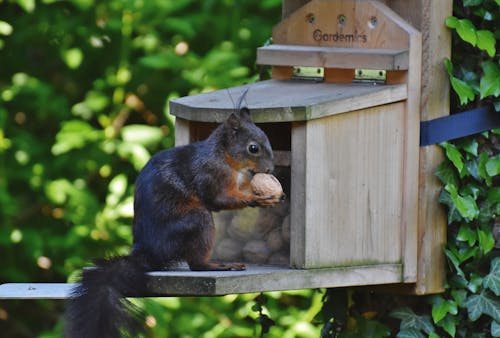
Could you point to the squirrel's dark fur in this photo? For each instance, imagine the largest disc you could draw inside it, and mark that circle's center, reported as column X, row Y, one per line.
column 175, row 194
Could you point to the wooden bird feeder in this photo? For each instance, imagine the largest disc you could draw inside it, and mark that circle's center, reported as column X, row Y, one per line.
column 342, row 112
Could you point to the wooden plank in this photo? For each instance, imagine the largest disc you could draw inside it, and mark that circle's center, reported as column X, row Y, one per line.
column 298, row 200
column 183, row 282
column 285, row 101
column 35, row 290
column 332, row 57
column 182, row 134
column 355, row 184
column 353, row 24
column 267, row 278
column 429, row 16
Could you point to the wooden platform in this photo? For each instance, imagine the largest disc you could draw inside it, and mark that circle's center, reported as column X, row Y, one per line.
column 216, row 283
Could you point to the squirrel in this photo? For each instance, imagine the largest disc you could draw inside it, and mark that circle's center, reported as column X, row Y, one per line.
column 174, row 196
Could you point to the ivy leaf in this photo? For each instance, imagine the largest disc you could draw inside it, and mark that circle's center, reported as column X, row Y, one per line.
column 464, row 28
column 446, row 174
column 449, row 324
column 475, row 283
column 481, row 168
column 463, row 90
column 493, row 165
column 459, row 295
column 453, row 155
column 453, row 214
column 495, row 326
column 441, row 307
column 486, row 240
column 480, row 304
column 411, row 321
column 472, row 2
column 493, row 195
column 466, row 205
column 452, row 256
column 470, row 146
column 486, row 41
column 490, row 81
column 466, row 234
column 492, row 280
column 410, row 333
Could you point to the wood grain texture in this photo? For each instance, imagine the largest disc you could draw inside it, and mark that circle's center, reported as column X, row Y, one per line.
column 298, row 197
column 319, row 23
column 266, row 278
column 354, row 174
column 282, row 101
column 183, row 282
column 429, row 16
column 182, row 134
column 36, row 290
column 332, row 57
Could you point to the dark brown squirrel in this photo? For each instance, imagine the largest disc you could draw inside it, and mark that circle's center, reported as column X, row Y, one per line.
column 175, row 194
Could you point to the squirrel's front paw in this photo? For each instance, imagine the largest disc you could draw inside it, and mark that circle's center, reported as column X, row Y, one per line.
column 268, row 200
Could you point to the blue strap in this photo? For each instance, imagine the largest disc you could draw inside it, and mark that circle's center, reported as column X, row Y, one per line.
column 458, row 125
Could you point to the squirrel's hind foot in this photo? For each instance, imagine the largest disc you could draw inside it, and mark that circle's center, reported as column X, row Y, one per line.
column 218, row 267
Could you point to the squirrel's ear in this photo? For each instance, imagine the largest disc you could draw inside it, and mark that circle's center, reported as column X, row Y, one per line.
column 244, row 114
column 235, row 120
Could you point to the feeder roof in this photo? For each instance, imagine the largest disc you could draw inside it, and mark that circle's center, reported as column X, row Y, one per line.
column 287, row 100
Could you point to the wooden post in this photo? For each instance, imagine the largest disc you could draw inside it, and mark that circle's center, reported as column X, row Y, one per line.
column 429, row 16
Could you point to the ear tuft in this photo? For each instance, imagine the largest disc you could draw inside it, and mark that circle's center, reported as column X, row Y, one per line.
column 233, row 121
column 244, row 114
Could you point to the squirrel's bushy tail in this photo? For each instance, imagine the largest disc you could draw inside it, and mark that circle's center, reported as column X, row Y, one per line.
column 98, row 308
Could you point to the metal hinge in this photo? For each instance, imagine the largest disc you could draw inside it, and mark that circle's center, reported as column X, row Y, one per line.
column 309, row 73
column 370, row 75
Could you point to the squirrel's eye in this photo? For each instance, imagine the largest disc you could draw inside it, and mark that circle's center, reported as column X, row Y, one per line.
column 253, row 148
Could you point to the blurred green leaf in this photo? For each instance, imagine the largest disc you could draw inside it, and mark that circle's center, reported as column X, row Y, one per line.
column 5, row 28
column 74, row 134
column 141, row 134
column 73, row 57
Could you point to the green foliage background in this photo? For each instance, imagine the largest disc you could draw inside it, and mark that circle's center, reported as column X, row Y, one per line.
column 84, row 86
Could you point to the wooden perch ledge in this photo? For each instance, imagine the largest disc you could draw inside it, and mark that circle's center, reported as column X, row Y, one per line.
column 216, row 283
